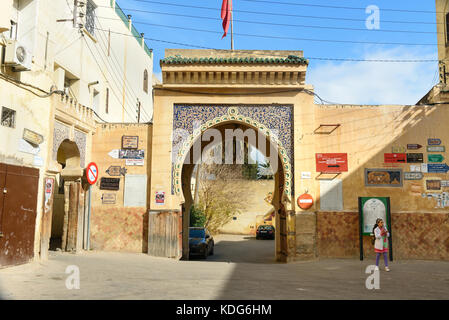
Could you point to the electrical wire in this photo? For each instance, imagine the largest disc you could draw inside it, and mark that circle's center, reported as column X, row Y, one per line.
column 281, row 24
column 121, row 70
column 101, row 69
column 335, row 7
column 308, row 58
column 289, row 38
column 275, row 14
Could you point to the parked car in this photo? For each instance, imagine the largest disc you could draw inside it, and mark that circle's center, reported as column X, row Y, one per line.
column 265, row 232
column 201, row 243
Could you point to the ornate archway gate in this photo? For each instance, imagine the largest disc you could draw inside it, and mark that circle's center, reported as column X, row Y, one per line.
column 204, row 89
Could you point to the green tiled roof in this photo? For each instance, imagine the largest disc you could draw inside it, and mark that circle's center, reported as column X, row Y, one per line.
column 248, row 60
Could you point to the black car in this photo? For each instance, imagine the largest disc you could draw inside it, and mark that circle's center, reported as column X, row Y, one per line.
column 201, row 242
column 265, row 232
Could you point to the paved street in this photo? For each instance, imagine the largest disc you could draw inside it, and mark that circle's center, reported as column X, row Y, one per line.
column 242, row 268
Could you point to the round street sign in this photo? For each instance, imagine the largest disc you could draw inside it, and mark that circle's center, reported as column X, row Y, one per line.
column 92, row 173
column 305, row 201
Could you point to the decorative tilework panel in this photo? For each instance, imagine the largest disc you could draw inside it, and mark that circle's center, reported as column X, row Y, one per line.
column 60, row 133
column 277, row 118
column 80, row 140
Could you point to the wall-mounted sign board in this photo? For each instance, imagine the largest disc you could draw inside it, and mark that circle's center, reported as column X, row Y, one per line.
column 433, row 142
column 436, row 149
column 116, row 171
column 130, row 142
column 383, row 177
column 414, row 146
column 395, row 158
column 331, row 162
column 110, row 184
column 415, row 157
column 131, row 154
column 32, row 137
column 413, row 175
column 437, row 168
column 108, row 198
column 435, row 157
column 444, row 183
column 134, row 162
column 433, row 185
column 398, row 149
column 306, row 175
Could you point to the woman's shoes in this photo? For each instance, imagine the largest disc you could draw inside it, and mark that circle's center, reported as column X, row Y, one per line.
column 387, row 269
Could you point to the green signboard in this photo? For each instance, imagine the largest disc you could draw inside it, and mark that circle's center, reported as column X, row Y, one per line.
column 435, row 157
column 370, row 209
column 373, row 208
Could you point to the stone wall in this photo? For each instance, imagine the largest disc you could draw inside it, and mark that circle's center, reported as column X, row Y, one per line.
column 114, row 226
column 414, row 236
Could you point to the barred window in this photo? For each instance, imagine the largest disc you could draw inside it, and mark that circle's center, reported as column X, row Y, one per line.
column 8, row 117
column 90, row 17
column 145, row 81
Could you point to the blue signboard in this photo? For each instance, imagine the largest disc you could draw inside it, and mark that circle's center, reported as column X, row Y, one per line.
column 437, row 168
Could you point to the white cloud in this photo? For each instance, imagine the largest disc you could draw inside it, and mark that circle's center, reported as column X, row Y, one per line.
column 376, row 83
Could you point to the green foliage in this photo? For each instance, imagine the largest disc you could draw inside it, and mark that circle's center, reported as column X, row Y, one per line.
column 197, row 217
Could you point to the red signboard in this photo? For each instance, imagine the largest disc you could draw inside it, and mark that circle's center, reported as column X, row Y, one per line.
column 395, row 157
column 331, row 162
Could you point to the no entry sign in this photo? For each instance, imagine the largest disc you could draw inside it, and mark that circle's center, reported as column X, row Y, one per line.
column 305, row 201
column 92, row 173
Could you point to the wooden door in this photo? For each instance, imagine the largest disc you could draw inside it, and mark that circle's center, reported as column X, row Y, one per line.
column 19, row 188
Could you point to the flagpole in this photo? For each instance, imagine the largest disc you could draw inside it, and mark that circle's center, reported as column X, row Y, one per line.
column 232, row 31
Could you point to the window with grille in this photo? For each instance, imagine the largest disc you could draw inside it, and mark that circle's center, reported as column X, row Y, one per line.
column 90, row 17
column 107, row 100
column 447, row 29
column 8, row 117
column 145, row 81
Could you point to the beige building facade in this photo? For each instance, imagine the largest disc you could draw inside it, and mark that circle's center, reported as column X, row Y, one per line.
column 66, row 66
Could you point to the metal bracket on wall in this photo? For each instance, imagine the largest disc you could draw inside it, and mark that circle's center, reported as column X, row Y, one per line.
column 326, row 128
column 327, row 176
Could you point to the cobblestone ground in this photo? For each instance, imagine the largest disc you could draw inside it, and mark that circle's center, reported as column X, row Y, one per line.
column 241, row 268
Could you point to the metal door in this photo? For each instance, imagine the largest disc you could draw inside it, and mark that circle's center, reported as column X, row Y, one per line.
column 19, row 188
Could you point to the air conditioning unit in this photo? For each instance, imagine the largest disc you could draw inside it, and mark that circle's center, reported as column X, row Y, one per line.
column 17, row 56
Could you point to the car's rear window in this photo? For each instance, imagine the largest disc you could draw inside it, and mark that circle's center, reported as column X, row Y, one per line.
column 265, row 228
column 196, row 233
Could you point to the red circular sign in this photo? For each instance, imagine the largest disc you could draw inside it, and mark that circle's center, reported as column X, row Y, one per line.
column 92, row 173
column 305, row 201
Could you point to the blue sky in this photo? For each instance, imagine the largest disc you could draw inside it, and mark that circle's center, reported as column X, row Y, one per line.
column 337, row 81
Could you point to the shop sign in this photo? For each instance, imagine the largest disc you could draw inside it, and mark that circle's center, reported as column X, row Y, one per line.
column 414, row 146
column 110, row 184
column 108, row 198
column 331, row 162
column 415, row 157
column 413, row 175
column 130, row 142
column 433, row 142
column 32, row 137
column 131, row 154
column 436, row 149
column 395, row 158
column 435, row 157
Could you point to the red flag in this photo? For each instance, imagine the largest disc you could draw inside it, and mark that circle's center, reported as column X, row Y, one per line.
column 226, row 11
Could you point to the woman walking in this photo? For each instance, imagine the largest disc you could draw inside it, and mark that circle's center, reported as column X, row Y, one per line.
column 381, row 235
